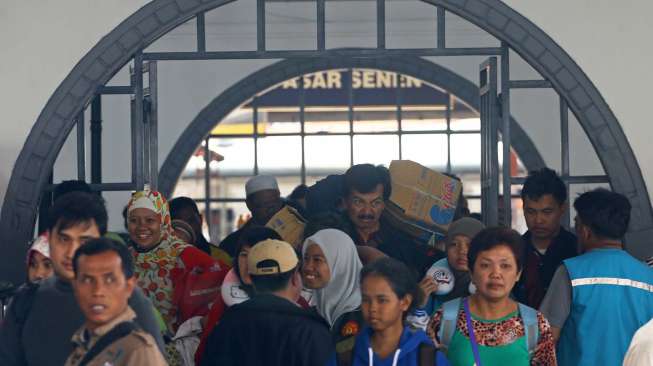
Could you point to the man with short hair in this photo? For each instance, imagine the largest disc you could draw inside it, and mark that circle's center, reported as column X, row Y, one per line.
column 366, row 188
column 186, row 210
column 42, row 318
column 270, row 328
column 263, row 201
column 104, row 281
column 544, row 198
column 598, row 300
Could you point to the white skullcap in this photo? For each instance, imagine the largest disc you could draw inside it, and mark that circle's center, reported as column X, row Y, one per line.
column 260, row 183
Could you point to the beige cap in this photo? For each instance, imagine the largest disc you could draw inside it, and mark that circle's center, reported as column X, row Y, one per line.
column 281, row 256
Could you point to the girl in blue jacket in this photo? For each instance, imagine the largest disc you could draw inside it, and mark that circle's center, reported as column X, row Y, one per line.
column 389, row 292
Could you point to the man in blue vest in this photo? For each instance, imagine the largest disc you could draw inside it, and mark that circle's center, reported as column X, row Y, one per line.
column 598, row 300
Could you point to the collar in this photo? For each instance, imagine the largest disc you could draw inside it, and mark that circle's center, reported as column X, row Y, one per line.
column 86, row 338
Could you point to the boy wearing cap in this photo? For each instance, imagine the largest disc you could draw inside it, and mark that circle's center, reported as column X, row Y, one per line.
column 263, row 201
column 270, row 328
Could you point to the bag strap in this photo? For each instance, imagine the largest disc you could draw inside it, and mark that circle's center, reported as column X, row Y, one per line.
column 472, row 336
column 531, row 330
column 21, row 304
column 426, row 355
column 450, row 311
column 119, row 331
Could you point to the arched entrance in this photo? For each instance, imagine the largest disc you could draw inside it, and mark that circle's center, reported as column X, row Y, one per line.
column 236, row 95
column 128, row 39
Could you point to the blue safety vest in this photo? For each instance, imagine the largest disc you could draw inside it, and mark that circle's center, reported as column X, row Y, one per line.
column 612, row 296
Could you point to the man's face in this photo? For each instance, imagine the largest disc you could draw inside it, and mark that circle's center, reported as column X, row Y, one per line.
column 264, row 204
column 543, row 216
column 64, row 243
column 365, row 209
column 101, row 288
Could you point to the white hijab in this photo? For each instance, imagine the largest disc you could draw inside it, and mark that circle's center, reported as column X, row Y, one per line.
column 342, row 294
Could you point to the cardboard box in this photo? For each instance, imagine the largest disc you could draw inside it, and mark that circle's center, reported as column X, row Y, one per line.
column 423, row 195
column 289, row 224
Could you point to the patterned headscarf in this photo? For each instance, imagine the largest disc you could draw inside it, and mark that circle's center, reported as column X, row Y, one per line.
column 153, row 201
column 157, row 268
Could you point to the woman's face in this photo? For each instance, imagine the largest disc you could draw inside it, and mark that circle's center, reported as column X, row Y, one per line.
column 457, row 252
column 40, row 267
column 144, row 227
column 242, row 265
column 315, row 269
column 495, row 273
column 381, row 306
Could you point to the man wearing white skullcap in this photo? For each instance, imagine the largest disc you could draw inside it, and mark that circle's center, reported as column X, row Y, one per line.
column 263, row 201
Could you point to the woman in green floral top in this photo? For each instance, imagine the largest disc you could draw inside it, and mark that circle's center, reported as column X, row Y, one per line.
column 503, row 332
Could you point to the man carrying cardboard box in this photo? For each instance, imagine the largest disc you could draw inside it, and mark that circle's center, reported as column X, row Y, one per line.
column 366, row 189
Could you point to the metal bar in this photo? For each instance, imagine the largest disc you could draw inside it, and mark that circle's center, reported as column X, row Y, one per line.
column 529, row 84
column 352, row 52
column 96, row 139
column 505, row 130
column 207, row 183
column 399, row 101
column 572, row 179
column 256, row 136
column 380, row 24
column 146, row 139
column 489, row 138
column 321, row 29
column 201, row 33
column 44, row 205
column 564, row 151
column 302, row 102
column 103, row 187
column 441, row 27
column 81, row 147
column 350, row 114
column 122, row 89
column 138, row 121
column 260, row 25
column 448, row 116
column 154, row 125
column 421, row 132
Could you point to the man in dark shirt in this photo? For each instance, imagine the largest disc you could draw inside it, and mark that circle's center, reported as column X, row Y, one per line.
column 270, row 328
column 544, row 197
column 366, row 189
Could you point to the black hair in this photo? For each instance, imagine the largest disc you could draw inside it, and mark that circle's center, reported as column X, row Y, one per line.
column 493, row 237
column 605, row 212
column 364, row 178
column 299, row 192
column 250, row 237
column 402, row 279
column 542, row 182
column 68, row 186
column 179, row 204
column 75, row 208
column 104, row 245
column 272, row 283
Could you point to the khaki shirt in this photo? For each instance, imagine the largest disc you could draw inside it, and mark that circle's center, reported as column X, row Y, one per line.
column 137, row 348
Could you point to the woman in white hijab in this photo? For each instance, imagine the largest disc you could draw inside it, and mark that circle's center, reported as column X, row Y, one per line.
column 331, row 268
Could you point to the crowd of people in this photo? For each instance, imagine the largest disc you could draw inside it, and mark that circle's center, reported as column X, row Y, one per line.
column 357, row 290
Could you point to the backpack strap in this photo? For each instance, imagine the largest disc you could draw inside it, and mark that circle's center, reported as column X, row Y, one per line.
column 119, row 331
column 426, row 355
column 450, row 311
column 21, row 303
column 531, row 330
